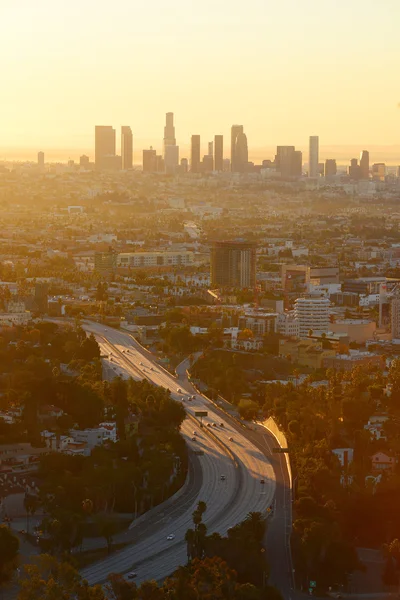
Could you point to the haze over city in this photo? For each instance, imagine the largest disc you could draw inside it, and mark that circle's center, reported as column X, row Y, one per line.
column 199, row 300
column 286, row 71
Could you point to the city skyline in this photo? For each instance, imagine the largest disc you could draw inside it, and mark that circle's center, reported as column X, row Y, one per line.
column 71, row 71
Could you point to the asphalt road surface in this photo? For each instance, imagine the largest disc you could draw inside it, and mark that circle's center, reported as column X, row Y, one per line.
column 241, row 461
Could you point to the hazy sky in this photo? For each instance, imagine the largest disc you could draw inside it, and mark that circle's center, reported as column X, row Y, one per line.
column 284, row 69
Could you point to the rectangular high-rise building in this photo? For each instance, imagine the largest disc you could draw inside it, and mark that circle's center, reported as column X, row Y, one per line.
column 40, row 159
column 364, row 164
column 126, row 148
column 169, row 131
column 330, row 167
column 149, row 161
column 171, row 159
column 313, row 157
column 104, row 145
column 284, row 160
column 195, row 154
column 219, row 153
column 236, row 130
column 233, row 264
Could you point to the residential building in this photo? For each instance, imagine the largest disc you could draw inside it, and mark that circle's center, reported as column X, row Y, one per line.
column 312, row 313
column 307, row 352
column 346, row 362
column 219, row 153
column 126, row 148
column 104, row 145
column 155, row 259
column 195, row 154
column 383, row 462
column 287, row 324
column 313, row 157
column 233, row 264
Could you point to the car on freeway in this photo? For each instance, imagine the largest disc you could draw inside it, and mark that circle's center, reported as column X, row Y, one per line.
column 194, row 439
column 179, row 390
column 141, row 363
column 171, row 537
column 151, row 369
column 194, row 432
column 208, row 424
column 262, row 481
column 231, row 439
column 221, row 424
column 214, row 424
column 223, row 477
column 193, row 397
column 132, row 575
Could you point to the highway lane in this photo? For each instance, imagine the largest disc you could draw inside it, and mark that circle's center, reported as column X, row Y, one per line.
column 228, row 503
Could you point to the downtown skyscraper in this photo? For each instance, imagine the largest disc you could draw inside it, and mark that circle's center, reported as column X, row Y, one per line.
column 239, row 150
column 219, row 153
column 313, row 157
column 126, row 147
column 195, row 154
column 364, row 164
column 171, row 150
column 104, row 145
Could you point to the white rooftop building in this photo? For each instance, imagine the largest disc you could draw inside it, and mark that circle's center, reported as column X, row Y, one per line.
column 312, row 314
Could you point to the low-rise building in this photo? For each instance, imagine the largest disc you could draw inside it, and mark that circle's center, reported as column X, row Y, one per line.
column 358, row 330
column 383, row 462
column 155, row 259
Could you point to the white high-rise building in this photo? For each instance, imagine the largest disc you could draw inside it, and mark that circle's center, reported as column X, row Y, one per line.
column 312, row 314
column 313, row 157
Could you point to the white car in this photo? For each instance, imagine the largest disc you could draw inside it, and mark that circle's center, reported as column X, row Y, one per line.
column 171, row 537
column 132, row 575
column 141, row 364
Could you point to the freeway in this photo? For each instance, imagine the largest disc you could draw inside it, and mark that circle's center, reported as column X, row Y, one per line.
column 228, row 500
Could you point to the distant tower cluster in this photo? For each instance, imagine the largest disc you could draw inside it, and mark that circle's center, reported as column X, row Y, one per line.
column 195, row 154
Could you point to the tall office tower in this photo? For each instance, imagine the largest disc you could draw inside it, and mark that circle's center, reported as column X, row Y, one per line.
column 233, row 264
column 313, row 157
column 195, row 154
column 40, row 159
column 312, row 313
column 171, row 159
column 236, row 130
column 364, row 164
column 211, row 149
column 219, row 153
column 330, row 167
column 354, row 169
column 160, row 164
column 289, row 161
column 379, row 171
column 126, row 147
column 169, row 131
column 149, row 161
column 241, row 153
column 297, row 164
column 184, row 165
column 207, row 164
column 104, row 145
